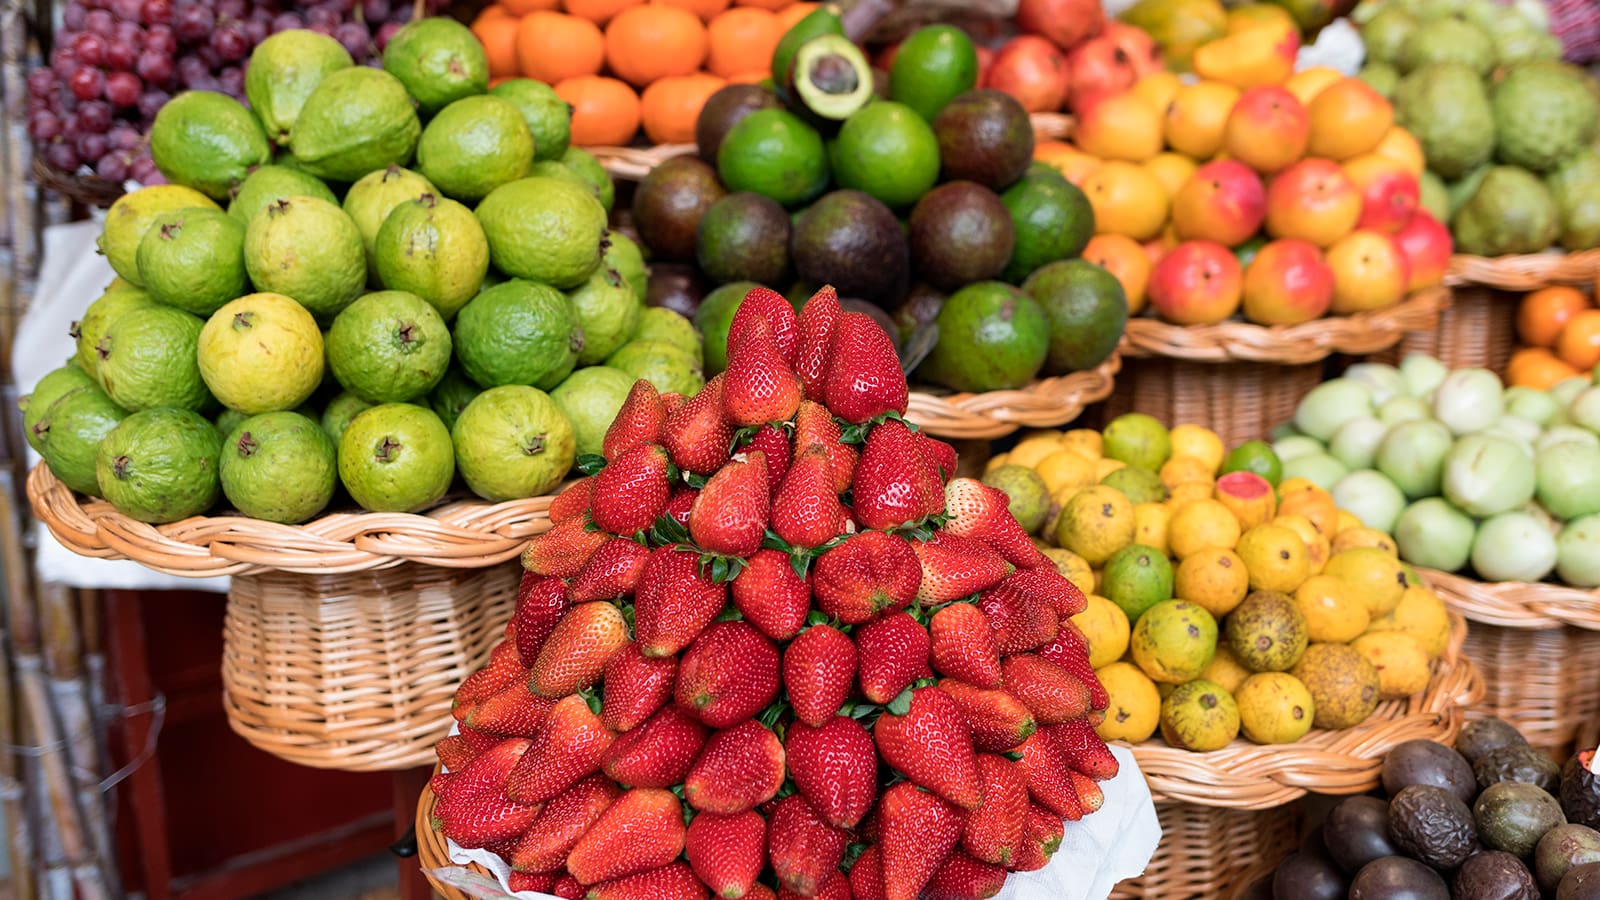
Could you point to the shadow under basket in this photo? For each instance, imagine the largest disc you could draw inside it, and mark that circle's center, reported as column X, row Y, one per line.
column 1546, row 682
column 1477, row 330
column 356, row 671
column 1240, row 401
column 1209, row 852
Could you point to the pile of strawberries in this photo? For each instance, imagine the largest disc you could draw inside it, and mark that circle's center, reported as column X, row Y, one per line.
column 772, row 647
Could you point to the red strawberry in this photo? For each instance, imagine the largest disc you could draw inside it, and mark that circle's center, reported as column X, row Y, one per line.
column 772, row 441
column 870, row 573
column 775, row 311
column 639, row 421
column 641, row 830
column 539, row 882
column 819, row 667
column 728, row 674
column 730, row 515
column 1083, row 749
column 979, row 511
column 993, row 833
column 1045, row 832
column 963, row 645
column 835, row 767
column 502, row 670
column 927, row 740
column 1048, row 690
column 804, row 849
column 960, row 877
column 674, row 881
column 473, row 809
column 813, row 424
column 636, row 686
column 771, row 596
column 1020, row 622
column 514, row 712
column 893, row 483
column 758, row 385
column 657, row 753
column 576, row 654
column 673, row 601
column 568, row 749
column 439, row 781
column 568, row 888
column 916, row 831
column 632, row 490
column 954, row 567
column 806, row 511
column 740, row 768
column 671, row 400
column 892, row 652
column 864, row 378
column 1046, row 584
column 613, row 571
column 541, row 602
column 563, row 549
column 681, row 503
column 939, row 453
column 1049, row 781
column 572, row 502
column 866, row 876
column 836, row 887
column 1089, row 792
column 999, row 721
column 696, row 434
column 813, row 348
column 562, row 821
column 727, row 852
column 463, row 747
column 1070, row 651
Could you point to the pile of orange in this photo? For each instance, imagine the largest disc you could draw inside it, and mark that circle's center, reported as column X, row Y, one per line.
column 627, row 63
column 1560, row 328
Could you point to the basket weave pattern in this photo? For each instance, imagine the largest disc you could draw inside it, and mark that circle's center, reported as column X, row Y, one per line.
column 1514, row 604
column 1043, row 404
column 1525, row 272
column 1207, row 852
column 1240, row 401
column 1477, row 331
column 356, row 671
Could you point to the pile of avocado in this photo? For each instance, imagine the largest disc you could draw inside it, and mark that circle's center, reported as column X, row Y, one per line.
column 911, row 192
column 1491, row 819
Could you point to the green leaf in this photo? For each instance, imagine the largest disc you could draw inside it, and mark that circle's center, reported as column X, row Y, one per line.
column 730, row 613
column 924, row 682
column 853, row 434
column 694, row 480
column 1013, row 755
column 900, row 705
column 851, row 854
column 800, row 563
column 816, row 617
column 770, row 716
column 591, row 463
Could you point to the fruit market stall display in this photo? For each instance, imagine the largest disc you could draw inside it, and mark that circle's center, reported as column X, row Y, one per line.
column 1495, row 494
column 1494, row 816
column 706, row 621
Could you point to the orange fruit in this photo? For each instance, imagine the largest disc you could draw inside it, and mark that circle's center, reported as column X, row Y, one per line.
column 742, row 40
column 1073, row 164
column 670, row 106
column 705, row 9
column 1538, row 368
column 1579, row 344
column 1348, row 118
column 1306, row 84
column 644, row 43
column 1543, row 314
column 553, row 46
column 497, row 32
column 597, row 11
column 521, row 8
column 1398, row 145
column 1127, row 200
column 1127, row 262
column 1119, row 126
column 605, row 111
column 773, row 5
column 792, row 13
column 1198, row 116
column 1173, row 170
column 752, row 76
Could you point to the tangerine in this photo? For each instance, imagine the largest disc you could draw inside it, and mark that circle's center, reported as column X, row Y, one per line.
column 705, row 9
column 742, row 40
column 644, row 43
column 1127, row 200
column 605, row 111
column 496, row 30
column 1348, row 118
column 1545, row 312
column 519, row 8
column 790, row 13
column 1399, row 145
column 1120, row 126
column 1579, row 344
column 553, row 46
column 670, row 106
column 1197, row 118
column 1127, row 262
column 1538, row 368
column 598, row 11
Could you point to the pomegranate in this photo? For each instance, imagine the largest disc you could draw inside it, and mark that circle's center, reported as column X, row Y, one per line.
column 1095, row 68
column 1032, row 70
column 1067, row 23
column 1141, row 49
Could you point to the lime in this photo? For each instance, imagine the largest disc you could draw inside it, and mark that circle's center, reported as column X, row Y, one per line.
column 70, row 434
column 1136, row 578
column 1029, row 498
column 473, row 146
column 773, row 152
column 1087, row 309
column 451, row 395
column 279, row 466
column 336, row 417
column 715, row 316
column 932, row 66
column 284, row 70
column 207, row 141
column 608, row 312
column 194, row 259
column 623, row 254
column 513, row 442
column 1257, row 457
column 261, row 353
column 307, row 249
column 889, row 151
column 396, row 457
column 434, row 248
column 159, row 465
column 544, row 230
column 148, row 360
column 589, row 169
column 664, row 365
column 118, row 300
column 1052, row 219
column 56, row 383
column 388, row 347
column 370, row 200
column 657, row 323
column 269, row 184
column 590, row 399
column 130, row 217
column 520, row 332
column 991, row 337
column 548, row 117
column 1138, row 440
column 357, row 120
column 438, row 60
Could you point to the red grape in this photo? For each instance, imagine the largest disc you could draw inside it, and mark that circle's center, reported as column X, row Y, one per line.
column 232, row 82
column 92, row 146
column 72, row 17
column 156, row 12
column 61, row 156
column 355, row 37
column 41, row 83
column 100, row 22
column 124, row 137
column 232, row 9
column 150, row 103
column 154, row 67
column 63, row 63
column 287, row 22
column 193, row 23
column 256, row 30
column 161, row 39
column 93, row 117
column 230, row 43
column 144, row 169
column 127, row 10
column 386, row 33
column 130, row 32
column 124, row 88
column 112, row 167
column 86, row 83
column 121, row 56
column 90, row 48
column 322, row 16
column 44, row 125
column 376, row 10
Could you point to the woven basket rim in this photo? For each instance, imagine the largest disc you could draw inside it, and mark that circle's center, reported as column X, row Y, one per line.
column 432, row 850
column 1251, row 776
column 1046, row 403
column 1359, row 334
column 1517, row 604
column 1524, row 271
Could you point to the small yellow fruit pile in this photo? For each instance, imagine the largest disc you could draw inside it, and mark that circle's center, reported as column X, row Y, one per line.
column 1220, row 604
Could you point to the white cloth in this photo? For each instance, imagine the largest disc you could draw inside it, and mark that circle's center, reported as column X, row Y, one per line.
column 71, row 277
column 1109, row 846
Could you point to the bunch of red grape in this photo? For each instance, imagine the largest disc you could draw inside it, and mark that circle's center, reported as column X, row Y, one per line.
column 115, row 62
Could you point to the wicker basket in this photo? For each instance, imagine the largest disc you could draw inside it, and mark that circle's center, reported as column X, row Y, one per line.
column 1538, row 646
column 1208, row 853
column 1478, row 330
column 356, row 671
column 1239, row 401
column 1525, row 272
column 89, row 190
column 1046, row 403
